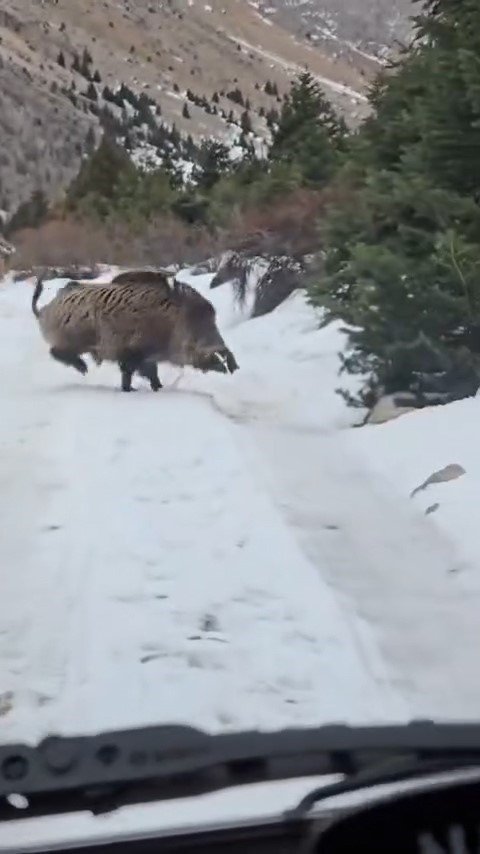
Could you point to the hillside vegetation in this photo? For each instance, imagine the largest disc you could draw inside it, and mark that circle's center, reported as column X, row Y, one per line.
column 390, row 211
column 60, row 62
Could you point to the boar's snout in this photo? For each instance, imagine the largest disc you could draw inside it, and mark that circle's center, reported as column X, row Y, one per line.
column 210, row 352
column 220, row 360
column 232, row 363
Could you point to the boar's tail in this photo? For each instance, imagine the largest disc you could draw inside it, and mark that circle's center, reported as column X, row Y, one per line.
column 37, row 294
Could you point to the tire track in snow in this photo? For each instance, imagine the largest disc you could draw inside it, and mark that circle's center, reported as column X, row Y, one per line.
column 390, row 568
column 133, row 521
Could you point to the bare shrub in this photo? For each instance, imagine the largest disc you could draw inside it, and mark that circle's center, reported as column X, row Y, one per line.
column 67, row 241
column 288, row 227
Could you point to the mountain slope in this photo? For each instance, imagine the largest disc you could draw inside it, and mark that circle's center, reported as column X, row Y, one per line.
column 161, row 49
column 345, row 27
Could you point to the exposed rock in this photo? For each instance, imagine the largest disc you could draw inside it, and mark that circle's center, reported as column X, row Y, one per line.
column 73, row 271
column 283, row 276
column 269, row 280
column 209, row 266
column 243, row 271
column 7, row 250
column 450, row 472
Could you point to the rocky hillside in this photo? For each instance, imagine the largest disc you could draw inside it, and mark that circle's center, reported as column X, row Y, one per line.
column 345, row 28
column 210, row 69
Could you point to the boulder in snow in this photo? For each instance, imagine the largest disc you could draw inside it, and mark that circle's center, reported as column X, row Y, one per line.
column 269, row 281
column 72, row 271
column 283, row 276
column 241, row 270
column 208, row 266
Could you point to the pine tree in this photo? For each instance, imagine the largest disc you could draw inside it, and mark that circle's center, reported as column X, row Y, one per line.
column 213, row 162
column 175, row 137
column 96, row 76
column 308, row 134
column 185, row 111
column 236, row 96
column 272, row 118
column 76, row 62
column 85, row 64
column 144, row 111
column 29, row 214
column 91, row 92
column 61, row 59
column 98, row 178
column 402, row 256
column 90, row 140
column 246, row 122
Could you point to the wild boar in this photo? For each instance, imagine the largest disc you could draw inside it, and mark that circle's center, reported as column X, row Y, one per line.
column 136, row 323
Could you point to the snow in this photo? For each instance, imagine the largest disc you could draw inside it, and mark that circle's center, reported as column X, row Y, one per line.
column 227, row 553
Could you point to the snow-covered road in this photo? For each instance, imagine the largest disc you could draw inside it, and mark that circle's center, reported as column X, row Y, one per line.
column 219, row 554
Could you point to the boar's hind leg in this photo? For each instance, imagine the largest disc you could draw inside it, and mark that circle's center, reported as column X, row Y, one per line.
column 149, row 371
column 69, row 358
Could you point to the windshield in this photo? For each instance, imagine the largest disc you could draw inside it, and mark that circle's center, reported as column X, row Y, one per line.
column 239, row 338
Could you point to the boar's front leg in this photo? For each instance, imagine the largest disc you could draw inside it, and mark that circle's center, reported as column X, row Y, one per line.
column 129, row 361
column 150, row 372
column 69, row 358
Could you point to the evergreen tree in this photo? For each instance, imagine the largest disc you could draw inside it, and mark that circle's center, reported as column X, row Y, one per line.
column 107, row 94
column 61, row 59
column 246, row 122
column 91, row 92
column 90, row 140
column 186, row 111
column 144, row 111
column 175, row 137
column 403, row 254
column 95, row 185
column 29, row 214
column 309, row 134
column 236, row 96
column 85, row 64
column 272, row 118
column 213, row 162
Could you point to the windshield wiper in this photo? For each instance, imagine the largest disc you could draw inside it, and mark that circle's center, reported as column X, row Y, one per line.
column 103, row 772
